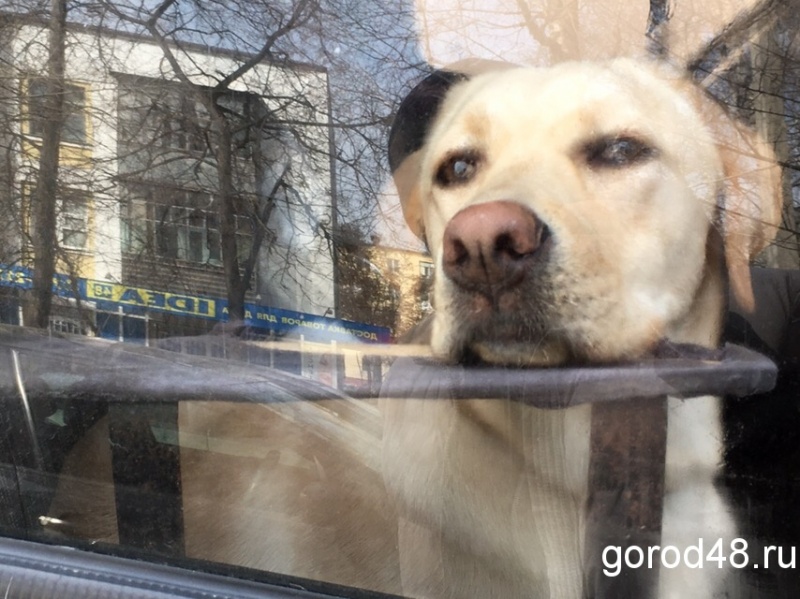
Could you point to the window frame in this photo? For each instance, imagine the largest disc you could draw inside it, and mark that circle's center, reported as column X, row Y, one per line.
column 426, row 269
column 81, row 114
column 66, row 194
column 76, row 224
column 147, row 220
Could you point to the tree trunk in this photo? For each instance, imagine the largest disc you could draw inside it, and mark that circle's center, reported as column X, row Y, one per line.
column 44, row 230
column 227, row 210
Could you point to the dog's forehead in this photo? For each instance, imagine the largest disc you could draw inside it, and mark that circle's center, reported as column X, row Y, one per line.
column 590, row 97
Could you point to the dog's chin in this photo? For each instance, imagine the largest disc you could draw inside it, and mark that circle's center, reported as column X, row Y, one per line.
column 525, row 355
column 520, row 354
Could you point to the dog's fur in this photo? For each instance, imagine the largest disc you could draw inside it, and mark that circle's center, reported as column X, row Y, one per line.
column 652, row 199
column 639, row 200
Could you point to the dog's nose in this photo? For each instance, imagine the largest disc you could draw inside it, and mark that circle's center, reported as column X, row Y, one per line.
column 488, row 247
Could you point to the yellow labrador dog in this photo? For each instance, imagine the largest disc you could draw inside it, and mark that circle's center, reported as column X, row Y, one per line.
column 586, row 213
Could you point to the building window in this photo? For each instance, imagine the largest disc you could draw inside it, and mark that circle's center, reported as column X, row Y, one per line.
column 156, row 116
column 187, row 233
column 426, row 269
column 135, row 226
column 178, row 225
column 73, row 216
column 393, row 265
column 75, row 113
column 162, row 116
column 65, row 325
column 74, row 220
column 425, row 303
column 185, row 125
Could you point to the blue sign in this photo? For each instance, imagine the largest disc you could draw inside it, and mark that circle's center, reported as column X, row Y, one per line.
column 137, row 300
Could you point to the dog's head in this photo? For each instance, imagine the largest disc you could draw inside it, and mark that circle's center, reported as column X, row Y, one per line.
column 578, row 212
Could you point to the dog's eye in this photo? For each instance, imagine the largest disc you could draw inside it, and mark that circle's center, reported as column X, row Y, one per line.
column 617, row 152
column 457, row 168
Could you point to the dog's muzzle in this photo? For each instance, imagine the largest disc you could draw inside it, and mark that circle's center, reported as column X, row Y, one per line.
column 490, row 248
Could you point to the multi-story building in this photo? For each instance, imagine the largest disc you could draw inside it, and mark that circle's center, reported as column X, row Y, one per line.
column 140, row 234
column 410, row 271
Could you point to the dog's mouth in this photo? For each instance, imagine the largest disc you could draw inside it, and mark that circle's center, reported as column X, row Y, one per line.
column 519, row 354
column 506, row 337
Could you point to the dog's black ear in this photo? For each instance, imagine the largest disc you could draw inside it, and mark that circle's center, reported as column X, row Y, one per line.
column 414, row 118
column 416, row 113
